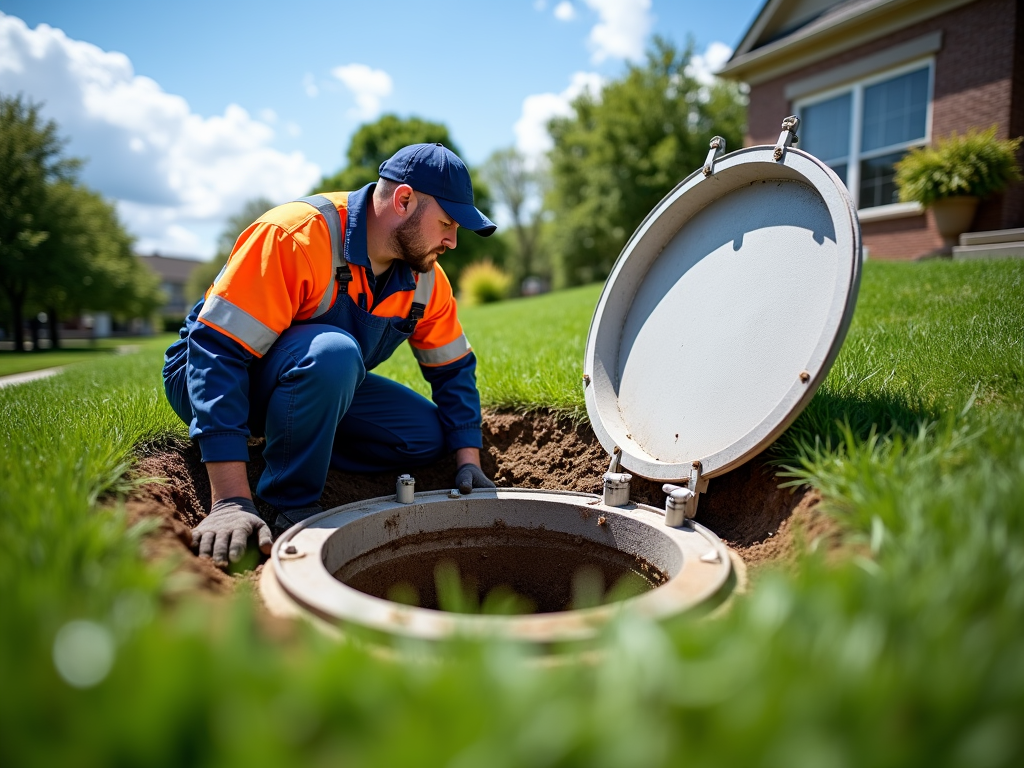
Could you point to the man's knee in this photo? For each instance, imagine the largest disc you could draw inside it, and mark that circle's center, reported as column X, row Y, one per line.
column 332, row 357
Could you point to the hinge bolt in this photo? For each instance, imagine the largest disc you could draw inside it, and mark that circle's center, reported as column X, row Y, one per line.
column 717, row 148
column 787, row 137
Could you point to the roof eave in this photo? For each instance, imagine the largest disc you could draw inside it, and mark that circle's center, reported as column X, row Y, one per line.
column 757, row 26
column 844, row 31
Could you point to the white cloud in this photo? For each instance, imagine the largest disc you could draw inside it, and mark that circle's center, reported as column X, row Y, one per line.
column 293, row 129
column 622, row 29
column 268, row 115
column 309, row 85
column 183, row 240
column 703, row 66
column 174, row 174
column 532, row 138
column 565, row 11
column 368, row 86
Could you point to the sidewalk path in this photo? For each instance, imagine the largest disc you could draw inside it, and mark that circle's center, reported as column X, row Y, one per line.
column 23, row 378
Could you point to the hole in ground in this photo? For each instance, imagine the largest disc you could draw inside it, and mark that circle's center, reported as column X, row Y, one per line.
column 500, row 569
column 745, row 507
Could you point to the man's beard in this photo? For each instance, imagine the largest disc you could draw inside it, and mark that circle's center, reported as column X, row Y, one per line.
column 409, row 245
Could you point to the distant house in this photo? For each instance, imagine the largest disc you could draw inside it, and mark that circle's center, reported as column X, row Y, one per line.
column 871, row 79
column 174, row 273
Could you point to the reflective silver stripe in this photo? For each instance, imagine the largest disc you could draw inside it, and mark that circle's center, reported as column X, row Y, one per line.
column 331, row 216
column 424, row 289
column 453, row 350
column 239, row 323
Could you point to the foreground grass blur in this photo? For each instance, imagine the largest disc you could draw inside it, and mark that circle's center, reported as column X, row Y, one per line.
column 907, row 651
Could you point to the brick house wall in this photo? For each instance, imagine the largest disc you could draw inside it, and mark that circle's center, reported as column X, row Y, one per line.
column 979, row 82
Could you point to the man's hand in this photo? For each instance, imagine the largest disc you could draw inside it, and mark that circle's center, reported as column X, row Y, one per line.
column 470, row 476
column 223, row 534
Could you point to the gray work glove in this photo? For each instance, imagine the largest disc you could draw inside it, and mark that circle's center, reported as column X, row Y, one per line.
column 223, row 533
column 470, row 476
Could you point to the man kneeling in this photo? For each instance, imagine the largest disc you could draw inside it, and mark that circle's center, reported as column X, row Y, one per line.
column 315, row 294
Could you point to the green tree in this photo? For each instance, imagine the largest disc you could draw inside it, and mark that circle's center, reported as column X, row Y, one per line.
column 375, row 142
column 62, row 247
column 114, row 279
column 202, row 277
column 87, row 262
column 519, row 188
column 30, row 162
column 623, row 150
column 64, row 280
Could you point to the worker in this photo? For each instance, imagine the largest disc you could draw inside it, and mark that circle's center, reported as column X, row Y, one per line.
column 315, row 294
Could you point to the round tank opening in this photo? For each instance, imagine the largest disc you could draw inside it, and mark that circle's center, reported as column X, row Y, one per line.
column 540, row 566
column 500, row 570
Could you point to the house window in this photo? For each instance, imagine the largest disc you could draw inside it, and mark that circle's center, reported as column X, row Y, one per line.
column 861, row 130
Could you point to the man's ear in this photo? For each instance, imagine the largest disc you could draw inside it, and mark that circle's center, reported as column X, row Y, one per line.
column 402, row 199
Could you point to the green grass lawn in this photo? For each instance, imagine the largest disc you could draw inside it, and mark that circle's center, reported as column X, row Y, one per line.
column 909, row 650
column 77, row 351
column 530, row 351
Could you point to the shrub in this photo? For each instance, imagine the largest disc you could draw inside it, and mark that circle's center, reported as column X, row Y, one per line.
column 483, row 282
column 976, row 164
column 171, row 323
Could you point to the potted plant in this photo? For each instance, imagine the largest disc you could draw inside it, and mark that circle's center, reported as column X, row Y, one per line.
column 954, row 175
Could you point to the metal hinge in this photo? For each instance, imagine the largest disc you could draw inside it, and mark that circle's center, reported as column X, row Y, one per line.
column 681, row 503
column 787, row 137
column 717, row 148
column 616, row 484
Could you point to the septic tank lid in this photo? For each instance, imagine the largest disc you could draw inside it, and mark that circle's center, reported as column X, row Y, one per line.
column 723, row 313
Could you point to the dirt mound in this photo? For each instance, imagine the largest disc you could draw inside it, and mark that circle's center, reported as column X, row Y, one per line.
column 745, row 507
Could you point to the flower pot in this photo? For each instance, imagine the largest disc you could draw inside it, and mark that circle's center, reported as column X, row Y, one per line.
column 953, row 216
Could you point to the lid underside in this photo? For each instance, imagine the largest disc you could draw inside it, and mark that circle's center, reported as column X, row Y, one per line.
column 723, row 314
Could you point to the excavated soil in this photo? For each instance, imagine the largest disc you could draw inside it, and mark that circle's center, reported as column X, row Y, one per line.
column 761, row 522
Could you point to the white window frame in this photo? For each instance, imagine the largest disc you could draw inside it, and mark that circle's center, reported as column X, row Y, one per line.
column 854, row 155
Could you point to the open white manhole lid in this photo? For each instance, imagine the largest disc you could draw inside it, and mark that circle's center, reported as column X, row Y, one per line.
column 723, row 314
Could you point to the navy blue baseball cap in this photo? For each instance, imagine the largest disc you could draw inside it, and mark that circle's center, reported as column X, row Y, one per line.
column 437, row 171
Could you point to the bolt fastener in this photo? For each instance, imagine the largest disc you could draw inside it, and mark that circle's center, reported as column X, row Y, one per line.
column 805, row 376
column 291, row 549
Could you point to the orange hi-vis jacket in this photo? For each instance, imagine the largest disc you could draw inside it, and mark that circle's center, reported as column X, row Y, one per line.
column 282, row 272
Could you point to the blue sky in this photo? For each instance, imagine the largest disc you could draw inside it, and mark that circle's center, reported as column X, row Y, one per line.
column 186, row 109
